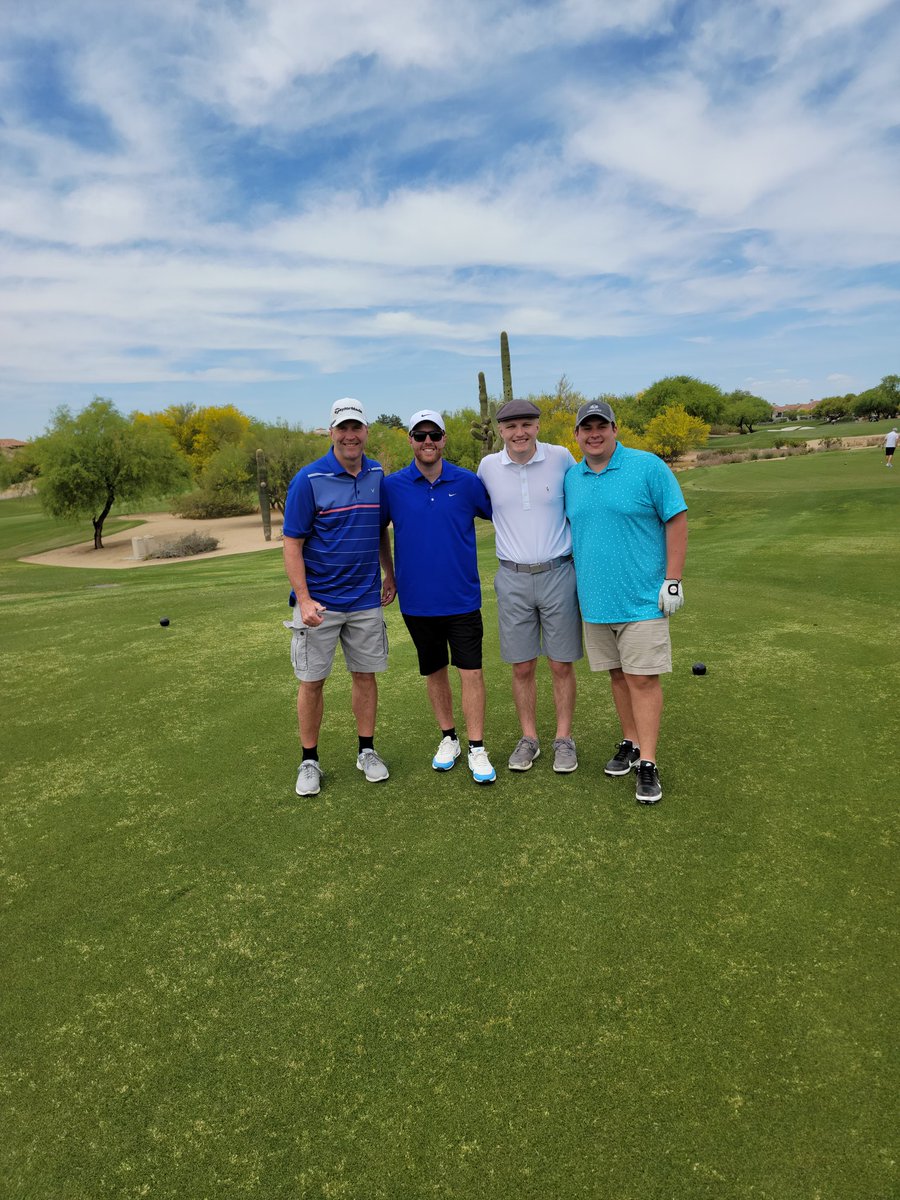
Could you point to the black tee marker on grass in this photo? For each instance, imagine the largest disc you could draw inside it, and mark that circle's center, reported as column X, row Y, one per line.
column 163, row 621
column 699, row 668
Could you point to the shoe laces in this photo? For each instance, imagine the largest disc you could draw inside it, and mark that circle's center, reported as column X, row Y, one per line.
column 624, row 752
column 647, row 773
column 479, row 757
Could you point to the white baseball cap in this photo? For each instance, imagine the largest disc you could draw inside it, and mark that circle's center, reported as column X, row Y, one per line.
column 426, row 414
column 347, row 409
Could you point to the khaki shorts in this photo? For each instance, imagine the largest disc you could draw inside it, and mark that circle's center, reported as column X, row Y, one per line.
column 638, row 647
column 363, row 638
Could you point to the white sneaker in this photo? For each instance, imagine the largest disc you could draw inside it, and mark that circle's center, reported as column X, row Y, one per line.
column 480, row 766
column 374, row 768
column 308, row 778
column 447, row 754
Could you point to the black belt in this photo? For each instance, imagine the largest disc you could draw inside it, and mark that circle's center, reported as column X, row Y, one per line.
column 536, row 568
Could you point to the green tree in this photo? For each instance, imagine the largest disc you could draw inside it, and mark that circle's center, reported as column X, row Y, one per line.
column 743, row 408
column 674, row 431
column 390, row 419
column 287, row 448
column 699, row 399
column 880, row 401
column 91, row 460
column 388, row 445
column 835, row 408
column 20, row 470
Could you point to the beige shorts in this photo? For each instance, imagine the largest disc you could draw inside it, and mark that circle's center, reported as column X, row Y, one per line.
column 639, row 647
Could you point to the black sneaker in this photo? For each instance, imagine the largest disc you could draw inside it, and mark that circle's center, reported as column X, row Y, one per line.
column 627, row 756
column 649, row 789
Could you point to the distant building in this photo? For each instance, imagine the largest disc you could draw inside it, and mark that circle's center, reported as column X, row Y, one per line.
column 785, row 412
column 9, row 446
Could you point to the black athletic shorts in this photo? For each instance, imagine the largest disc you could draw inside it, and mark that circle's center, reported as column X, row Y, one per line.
column 431, row 637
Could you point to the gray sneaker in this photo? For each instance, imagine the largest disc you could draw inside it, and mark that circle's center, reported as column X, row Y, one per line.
column 374, row 768
column 308, row 778
column 565, row 759
column 526, row 751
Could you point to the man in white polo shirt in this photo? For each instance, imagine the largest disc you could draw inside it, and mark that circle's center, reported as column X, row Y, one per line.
column 537, row 601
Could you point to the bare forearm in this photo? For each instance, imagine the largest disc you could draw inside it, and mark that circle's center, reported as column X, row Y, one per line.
column 295, row 567
column 676, row 545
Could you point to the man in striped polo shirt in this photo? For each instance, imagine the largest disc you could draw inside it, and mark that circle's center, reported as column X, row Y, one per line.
column 335, row 536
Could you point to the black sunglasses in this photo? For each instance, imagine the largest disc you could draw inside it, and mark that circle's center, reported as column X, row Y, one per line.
column 418, row 436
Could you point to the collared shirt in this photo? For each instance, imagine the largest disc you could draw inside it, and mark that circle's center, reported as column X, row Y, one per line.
column 618, row 518
column 435, row 555
column 340, row 516
column 529, row 513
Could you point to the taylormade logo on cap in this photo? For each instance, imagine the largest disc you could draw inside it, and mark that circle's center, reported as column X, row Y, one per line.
column 347, row 409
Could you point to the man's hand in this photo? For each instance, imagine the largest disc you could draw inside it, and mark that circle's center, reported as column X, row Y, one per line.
column 311, row 611
column 388, row 590
column 671, row 596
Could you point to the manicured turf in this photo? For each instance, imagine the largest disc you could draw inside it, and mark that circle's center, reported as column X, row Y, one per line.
column 765, row 436
column 427, row 988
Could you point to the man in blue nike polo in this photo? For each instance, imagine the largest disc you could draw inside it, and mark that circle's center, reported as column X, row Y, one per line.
column 433, row 505
column 335, row 535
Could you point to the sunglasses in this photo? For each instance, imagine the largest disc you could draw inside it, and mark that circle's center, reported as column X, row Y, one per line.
column 418, row 436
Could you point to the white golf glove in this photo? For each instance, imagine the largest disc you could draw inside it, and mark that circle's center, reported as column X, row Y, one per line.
column 671, row 596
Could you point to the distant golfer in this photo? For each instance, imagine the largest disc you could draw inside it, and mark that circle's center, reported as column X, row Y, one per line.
column 335, row 533
column 629, row 538
column 433, row 505
column 890, row 445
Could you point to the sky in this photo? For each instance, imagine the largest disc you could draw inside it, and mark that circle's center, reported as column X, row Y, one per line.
column 276, row 203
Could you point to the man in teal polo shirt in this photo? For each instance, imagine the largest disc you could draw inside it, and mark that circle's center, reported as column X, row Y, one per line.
column 629, row 539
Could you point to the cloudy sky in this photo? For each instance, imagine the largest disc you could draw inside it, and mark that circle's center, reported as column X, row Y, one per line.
column 274, row 203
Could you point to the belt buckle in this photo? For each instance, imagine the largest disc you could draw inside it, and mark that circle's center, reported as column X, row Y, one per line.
column 539, row 568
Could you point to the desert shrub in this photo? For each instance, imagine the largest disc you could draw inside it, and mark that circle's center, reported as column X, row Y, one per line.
column 789, row 443
column 192, row 543
column 830, row 443
column 203, row 506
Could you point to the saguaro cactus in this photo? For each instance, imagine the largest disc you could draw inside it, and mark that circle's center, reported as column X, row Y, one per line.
column 485, row 429
column 263, row 484
column 505, row 368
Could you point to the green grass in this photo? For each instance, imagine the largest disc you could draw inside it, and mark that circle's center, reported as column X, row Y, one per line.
column 767, row 436
column 426, row 988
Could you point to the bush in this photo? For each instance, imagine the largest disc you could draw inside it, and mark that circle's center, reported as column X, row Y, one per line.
column 191, row 543
column 204, row 506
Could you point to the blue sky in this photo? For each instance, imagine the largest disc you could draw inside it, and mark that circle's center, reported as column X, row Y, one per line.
column 274, row 203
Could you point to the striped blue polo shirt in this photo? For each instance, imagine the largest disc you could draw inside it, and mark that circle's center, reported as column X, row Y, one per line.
column 340, row 518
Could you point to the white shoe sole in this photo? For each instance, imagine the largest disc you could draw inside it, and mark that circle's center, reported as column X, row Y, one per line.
column 527, row 766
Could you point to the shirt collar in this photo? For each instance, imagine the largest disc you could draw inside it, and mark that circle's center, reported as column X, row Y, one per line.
column 537, row 457
column 615, row 461
column 449, row 471
column 335, row 465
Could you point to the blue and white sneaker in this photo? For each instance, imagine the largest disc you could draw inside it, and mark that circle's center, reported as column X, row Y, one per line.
column 447, row 754
column 480, row 766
